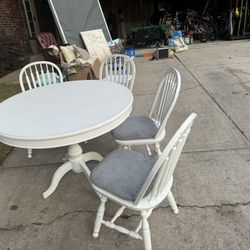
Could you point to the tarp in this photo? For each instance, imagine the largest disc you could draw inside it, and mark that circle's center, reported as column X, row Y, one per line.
column 74, row 16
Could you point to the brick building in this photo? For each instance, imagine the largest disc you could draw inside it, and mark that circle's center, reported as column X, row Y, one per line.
column 20, row 22
column 14, row 35
column 13, row 21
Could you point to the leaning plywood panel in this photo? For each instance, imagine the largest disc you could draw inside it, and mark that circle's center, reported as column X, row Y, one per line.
column 96, row 44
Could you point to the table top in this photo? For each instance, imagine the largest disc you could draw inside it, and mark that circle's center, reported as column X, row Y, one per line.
column 63, row 114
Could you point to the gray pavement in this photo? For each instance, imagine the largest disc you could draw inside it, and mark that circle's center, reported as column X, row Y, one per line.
column 211, row 182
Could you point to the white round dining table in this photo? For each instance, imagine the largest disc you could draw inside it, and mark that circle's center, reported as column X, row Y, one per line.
column 64, row 114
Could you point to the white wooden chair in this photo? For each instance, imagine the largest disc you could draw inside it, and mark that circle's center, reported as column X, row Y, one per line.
column 150, row 130
column 38, row 74
column 138, row 182
column 118, row 68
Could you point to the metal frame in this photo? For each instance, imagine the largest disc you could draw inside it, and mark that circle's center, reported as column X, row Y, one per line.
column 59, row 24
column 57, row 21
column 104, row 20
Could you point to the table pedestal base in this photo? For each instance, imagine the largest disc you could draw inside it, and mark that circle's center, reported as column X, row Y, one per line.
column 76, row 162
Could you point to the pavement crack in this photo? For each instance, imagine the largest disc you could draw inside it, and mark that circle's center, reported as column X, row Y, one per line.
column 21, row 227
column 236, row 204
column 215, row 150
column 59, row 217
column 191, row 88
column 14, row 228
column 147, row 94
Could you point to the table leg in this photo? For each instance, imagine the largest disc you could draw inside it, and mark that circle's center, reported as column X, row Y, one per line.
column 60, row 172
column 92, row 156
column 76, row 162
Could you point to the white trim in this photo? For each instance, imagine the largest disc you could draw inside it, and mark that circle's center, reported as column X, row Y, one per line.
column 27, row 18
column 57, row 21
column 108, row 121
column 104, row 20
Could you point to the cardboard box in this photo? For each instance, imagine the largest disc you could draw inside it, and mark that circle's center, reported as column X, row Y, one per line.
column 86, row 72
column 83, row 73
column 96, row 67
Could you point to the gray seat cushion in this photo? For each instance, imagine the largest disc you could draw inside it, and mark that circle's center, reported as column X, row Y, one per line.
column 122, row 173
column 134, row 128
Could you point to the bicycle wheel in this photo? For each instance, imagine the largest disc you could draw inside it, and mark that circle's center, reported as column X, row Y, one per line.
column 203, row 32
column 213, row 33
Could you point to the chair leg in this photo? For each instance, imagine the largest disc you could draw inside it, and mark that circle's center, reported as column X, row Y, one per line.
column 172, row 202
column 126, row 147
column 146, row 231
column 148, row 149
column 158, row 148
column 99, row 217
column 29, row 153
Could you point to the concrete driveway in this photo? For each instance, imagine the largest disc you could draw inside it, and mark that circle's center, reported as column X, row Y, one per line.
column 211, row 182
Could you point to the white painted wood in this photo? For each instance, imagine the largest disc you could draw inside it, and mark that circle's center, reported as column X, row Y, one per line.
column 60, row 172
column 118, row 68
column 148, row 149
column 158, row 148
column 163, row 172
column 146, row 231
column 99, row 217
column 37, row 74
column 64, row 115
column 118, row 214
column 34, row 76
column 29, row 152
column 172, row 202
column 76, row 162
column 122, row 230
column 163, row 104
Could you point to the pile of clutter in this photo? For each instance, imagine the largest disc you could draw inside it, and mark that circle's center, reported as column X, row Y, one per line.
column 76, row 62
column 178, row 42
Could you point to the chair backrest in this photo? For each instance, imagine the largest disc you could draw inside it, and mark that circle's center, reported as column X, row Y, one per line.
column 165, row 99
column 118, row 68
column 38, row 74
column 45, row 39
column 164, row 167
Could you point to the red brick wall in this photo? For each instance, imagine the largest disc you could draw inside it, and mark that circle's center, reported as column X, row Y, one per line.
column 14, row 35
column 12, row 19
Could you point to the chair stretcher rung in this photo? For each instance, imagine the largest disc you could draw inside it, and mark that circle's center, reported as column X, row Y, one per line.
column 122, row 229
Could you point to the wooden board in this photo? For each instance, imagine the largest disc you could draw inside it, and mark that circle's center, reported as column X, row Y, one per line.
column 96, row 43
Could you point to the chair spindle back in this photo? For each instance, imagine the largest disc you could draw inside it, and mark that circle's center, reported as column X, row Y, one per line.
column 165, row 99
column 164, row 168
column 39, row 74
column 118, row 68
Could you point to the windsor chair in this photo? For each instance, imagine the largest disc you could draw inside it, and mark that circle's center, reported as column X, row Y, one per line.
column 150, row 130
column 38, row 74
column 118, row 68
column 138, row 182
